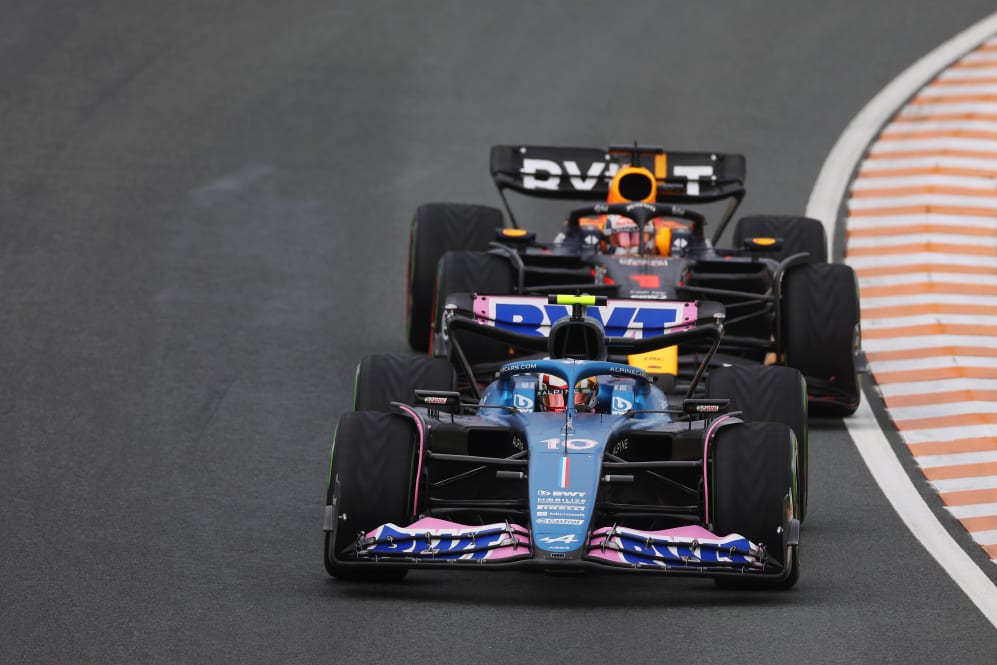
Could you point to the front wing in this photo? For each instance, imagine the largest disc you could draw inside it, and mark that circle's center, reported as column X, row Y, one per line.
column 430, row 541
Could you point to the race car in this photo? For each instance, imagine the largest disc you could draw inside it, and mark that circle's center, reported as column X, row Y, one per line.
column 785, row 304
column 570, row 462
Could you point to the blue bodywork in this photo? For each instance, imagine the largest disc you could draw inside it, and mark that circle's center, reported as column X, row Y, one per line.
column 566, row 449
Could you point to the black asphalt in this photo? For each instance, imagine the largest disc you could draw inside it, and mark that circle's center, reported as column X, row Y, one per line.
column 204, row 211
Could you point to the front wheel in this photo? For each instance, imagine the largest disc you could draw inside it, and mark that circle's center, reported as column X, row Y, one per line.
column 799, row 234
column 383, row 378
column 754, row 495
column 772, row 394
column 371, row 482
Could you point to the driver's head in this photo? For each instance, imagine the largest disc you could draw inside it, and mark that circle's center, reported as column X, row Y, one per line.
column 622, row 235
column 552, row 393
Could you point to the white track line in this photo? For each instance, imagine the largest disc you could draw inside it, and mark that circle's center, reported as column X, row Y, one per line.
column 911, row 145
column 824, row 204
column 949, row 238
column 939, row 276
column 976, row 510
column 985, row 537
column 957, row 459
column 934, row 180
column 917, row 258
column 961, row 485
column 918, row 299
column 940, row 386
column 940, row 161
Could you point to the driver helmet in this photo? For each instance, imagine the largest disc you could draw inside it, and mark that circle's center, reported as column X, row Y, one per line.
column 622, row 235
column 552, row 392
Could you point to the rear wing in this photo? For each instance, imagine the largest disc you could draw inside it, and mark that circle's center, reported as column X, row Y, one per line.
column 584, row 174
column 620, row 318
column 646, row 331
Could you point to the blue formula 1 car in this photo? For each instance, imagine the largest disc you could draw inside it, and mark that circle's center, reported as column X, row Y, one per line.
column 570, row 461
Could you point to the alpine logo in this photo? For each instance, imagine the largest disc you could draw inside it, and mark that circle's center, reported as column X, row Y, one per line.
column 566, row 539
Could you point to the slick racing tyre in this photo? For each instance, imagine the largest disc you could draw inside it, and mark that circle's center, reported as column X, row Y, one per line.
column 753, row 494
column 474, row 272
column 773, row 394
column 799, row 234
column 383, row 378
column 820, row 334
column 436, row 229
column 370, row 483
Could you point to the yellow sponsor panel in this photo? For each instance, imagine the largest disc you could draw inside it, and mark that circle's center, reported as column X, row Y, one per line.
column 659, row 361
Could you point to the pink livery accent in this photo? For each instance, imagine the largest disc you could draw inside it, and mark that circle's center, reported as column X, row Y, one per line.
column 422, row 446
column 707, row 440
column 481, row 309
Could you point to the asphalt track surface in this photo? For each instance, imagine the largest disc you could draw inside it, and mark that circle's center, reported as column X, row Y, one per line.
column 204, row 211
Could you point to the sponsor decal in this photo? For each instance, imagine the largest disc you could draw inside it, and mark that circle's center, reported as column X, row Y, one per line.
column 626, row 369
column 557, row 520
column 434, row 400
column 644, row 320
column 647, row 281
column 522, row 403
column 567, row 539
column 547, row 174
column 639, row 262
column 621, row 405
column 693, row 175
column 457, row 543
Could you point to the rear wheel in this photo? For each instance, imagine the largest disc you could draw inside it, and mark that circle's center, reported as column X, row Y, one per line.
column 771, row 394
column 383, row 378
column 474, row 272
column 370, row 484
column 753, row 494
column 799, row 234
column 436, row 229
column 820, row 324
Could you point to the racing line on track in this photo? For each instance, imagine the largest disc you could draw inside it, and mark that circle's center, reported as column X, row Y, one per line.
column 921, row 234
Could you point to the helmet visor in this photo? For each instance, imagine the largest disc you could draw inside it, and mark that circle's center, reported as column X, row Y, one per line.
column 625, row 239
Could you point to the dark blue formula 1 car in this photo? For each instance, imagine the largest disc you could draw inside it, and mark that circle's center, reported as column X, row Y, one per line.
column 636, row 239
column 570, row 461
